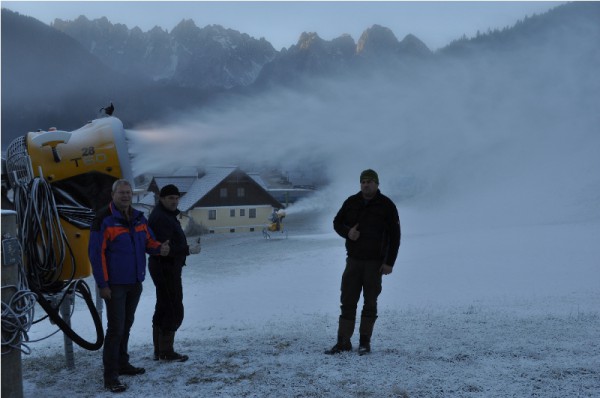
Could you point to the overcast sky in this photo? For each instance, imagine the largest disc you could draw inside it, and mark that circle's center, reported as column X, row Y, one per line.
column 282, row 22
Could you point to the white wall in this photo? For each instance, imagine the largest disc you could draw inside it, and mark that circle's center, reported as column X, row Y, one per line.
column 225, row 223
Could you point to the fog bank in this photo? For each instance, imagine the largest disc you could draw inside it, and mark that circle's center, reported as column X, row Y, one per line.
column 494, row 140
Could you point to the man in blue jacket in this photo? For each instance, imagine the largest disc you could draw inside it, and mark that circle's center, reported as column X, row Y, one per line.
column 370, row 224
column 119, row 240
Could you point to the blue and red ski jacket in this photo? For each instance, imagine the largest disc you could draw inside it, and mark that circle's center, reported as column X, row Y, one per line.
column 118, row 248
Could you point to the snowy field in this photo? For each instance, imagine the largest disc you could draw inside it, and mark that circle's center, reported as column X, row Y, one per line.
column 460, row 316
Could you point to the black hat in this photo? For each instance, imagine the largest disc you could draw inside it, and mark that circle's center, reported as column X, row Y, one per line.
column 169, row 190
column 369, row 175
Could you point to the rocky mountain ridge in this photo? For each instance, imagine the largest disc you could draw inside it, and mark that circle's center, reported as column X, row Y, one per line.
column 187, row 56
column 214, row 56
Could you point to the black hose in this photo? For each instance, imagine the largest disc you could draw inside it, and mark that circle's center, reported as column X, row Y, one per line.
column 54, row 315
column 47, row 250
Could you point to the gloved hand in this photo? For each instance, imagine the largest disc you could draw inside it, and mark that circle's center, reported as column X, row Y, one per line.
column 195, row 249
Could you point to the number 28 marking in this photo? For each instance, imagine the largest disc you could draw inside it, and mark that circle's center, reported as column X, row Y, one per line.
column 88, row 151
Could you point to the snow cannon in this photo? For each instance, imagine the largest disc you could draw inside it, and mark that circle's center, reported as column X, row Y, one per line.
column 275, row 225
column 79, row 167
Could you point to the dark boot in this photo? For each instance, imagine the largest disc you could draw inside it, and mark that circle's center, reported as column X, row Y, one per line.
column 131, row 370
column 166, row 351
column 155, row 341
column 341, row 346
column 365, row 330
column 345, row 332
column 364, row 347
column 115, row 385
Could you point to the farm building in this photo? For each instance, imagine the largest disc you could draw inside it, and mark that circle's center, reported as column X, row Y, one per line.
column 218, row 199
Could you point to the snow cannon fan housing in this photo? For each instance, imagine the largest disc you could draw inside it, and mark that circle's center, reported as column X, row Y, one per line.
column 81, row 167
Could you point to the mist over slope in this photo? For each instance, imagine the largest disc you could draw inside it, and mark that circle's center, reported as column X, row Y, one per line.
column 498, row 137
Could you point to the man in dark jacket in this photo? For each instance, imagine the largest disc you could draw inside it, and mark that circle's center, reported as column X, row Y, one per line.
column 370, row 224
column 166, row 274
column 119, row 241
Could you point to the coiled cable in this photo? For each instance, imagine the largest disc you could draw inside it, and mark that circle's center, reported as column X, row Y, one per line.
column 18, row 314
column 42, row 237
column 46, row 249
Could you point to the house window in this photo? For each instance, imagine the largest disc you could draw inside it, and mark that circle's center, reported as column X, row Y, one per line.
column 212, row 214
column 242, row 212
column 241, row 192
column 223, row 192
column 252, row 213
column 232, row 213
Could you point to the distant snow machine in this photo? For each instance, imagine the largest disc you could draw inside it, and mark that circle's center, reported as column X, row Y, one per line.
column 275, row 226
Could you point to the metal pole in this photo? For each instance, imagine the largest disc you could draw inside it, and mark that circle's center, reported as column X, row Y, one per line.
column 12, row 373
column 65, row 314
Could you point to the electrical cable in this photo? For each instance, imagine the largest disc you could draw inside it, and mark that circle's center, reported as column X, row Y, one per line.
column 17, row 314
column 46, row 250
column 42, row 237
column 53, row 313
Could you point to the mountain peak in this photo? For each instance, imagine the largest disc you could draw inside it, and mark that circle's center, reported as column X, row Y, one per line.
column 413, row 45
column 377, row 39
column 309, row 40
column 185, row 25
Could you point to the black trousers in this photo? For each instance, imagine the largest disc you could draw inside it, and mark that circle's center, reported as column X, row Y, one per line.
column 360, row 275
column 168, row 311
column 120, row 314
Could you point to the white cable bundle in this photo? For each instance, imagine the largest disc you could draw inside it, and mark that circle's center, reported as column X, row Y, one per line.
column 45, row 247
column 17, row 314
column 42, row 235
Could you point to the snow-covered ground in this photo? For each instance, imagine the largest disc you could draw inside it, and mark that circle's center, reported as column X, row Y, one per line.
column 460, row 316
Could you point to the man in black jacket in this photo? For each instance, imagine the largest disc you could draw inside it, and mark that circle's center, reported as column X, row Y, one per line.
column 166, row 274
column 370, row 224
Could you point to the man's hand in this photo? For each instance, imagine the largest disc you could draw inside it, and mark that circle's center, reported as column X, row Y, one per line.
column 386, row 269
column 165, row 248
column 105, row 293
column 195, row 249
column 354, row 233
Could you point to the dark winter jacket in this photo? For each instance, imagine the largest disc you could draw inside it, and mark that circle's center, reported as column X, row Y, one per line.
column 118, row 248
column 378, row 224
column 166, row 226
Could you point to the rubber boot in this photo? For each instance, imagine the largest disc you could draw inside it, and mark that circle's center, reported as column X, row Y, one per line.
column 364, row 346
column 155, row 341
column 166, row 352
column 345, row 332
column 365, row 330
